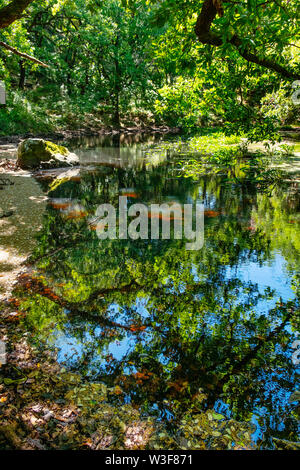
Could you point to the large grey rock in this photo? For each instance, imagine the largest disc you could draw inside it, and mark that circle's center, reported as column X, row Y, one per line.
column 39, row 153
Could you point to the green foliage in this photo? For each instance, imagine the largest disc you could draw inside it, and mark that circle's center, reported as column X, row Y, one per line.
column 139, row 62
column 98, row 62
column 21, row 115
column 278, row 105
column 179, row 105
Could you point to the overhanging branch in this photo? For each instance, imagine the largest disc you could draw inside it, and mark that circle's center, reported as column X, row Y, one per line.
column 12, row 12
column 208, row 13
column 22, row 54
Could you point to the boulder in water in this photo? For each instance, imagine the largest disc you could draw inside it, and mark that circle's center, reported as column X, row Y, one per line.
column 39, row 153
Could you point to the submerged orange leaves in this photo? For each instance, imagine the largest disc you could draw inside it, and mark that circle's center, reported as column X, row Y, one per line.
column 210, row 213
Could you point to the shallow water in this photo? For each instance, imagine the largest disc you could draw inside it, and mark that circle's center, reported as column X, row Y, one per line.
column 162, row 321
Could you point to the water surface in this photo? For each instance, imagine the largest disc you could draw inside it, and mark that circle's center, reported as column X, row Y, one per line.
column 163, row 322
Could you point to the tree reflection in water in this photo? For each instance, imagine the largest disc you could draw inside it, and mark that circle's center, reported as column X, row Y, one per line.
column 164, row 324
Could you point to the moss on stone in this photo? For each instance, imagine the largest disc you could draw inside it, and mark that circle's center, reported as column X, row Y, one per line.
column 36, row 153
column 56, row 149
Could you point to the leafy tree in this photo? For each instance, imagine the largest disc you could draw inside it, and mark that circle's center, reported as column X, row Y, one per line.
column 249, row 29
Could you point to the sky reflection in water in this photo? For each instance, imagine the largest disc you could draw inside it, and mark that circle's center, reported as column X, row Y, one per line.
column 182, row 317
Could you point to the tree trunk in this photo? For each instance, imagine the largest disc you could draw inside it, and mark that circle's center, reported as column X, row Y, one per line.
column 22, row 75
column 12, row 12
column 116, row 114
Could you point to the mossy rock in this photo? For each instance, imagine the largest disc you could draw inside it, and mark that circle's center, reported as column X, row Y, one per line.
column 39, row 153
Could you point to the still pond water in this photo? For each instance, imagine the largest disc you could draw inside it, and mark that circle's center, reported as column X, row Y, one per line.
column 162, row 322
